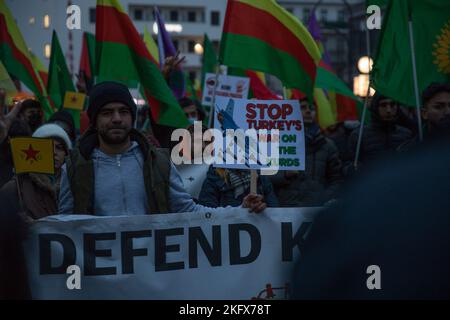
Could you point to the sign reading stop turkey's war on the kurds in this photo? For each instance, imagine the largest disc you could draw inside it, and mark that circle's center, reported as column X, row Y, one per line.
column 274, row 134
column 226, row 86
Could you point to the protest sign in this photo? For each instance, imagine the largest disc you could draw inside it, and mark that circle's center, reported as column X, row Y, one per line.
column 230, row 254
column 227, row 86
column 280, row 139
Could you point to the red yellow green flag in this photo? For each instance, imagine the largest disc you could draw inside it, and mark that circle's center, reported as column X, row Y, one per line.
column 15, row 57
column 122, row 56
column 263, row 36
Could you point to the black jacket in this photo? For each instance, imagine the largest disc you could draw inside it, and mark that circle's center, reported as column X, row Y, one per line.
column 321, row 179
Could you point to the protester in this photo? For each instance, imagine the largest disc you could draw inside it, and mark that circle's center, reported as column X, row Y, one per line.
column 64, row 119
column 32, row 113
column 115, row 171
column 382, row 135
column 320, row 181
column 340, row 135
column 36, row 195
column 228, row 187
column 189, row 109
column 435, row 115
column 436, row 109
column 10, row 126
column 13, row 272
column 18, row 128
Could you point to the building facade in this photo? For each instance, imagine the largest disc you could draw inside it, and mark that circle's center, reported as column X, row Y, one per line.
column 187, row 21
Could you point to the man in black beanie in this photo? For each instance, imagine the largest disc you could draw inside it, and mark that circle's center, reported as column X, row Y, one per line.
column 115, row 171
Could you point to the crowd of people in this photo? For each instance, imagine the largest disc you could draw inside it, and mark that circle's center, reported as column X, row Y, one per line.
column 113, row 168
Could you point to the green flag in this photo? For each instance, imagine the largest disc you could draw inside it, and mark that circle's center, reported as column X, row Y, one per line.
column 59, row 79
column 393, row 69
column 209, row 58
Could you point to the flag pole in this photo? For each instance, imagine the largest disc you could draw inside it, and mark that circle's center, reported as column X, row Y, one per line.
column 416, row 82
column 19, row 192
column 366, row 102
column 211, row 110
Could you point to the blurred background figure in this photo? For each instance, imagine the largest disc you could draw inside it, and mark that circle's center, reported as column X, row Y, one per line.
column 394, row 216
column 320, row 181
column 64, row 119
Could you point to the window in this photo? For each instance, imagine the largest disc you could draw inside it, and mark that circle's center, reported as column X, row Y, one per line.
column 47, row 50
column 138, row 14
column 173, row 15
column 92, row 15
column 215, row 18
column 192, row 16
column 341, row 15
column 324, row 15
column 32, row 20
column 191, row 46
column 46, row 21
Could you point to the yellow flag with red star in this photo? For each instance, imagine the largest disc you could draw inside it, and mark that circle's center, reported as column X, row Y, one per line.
column 74, row 100
column 33, row 155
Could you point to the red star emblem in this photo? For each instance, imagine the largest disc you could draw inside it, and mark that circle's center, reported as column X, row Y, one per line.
column 74, row 99
column 31, row 153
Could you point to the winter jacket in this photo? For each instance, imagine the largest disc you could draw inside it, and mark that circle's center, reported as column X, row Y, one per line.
column 379, row 138
column 14, row 283
column 124, row 184
column 217, row 192
column 321, row 179
column 38, row 195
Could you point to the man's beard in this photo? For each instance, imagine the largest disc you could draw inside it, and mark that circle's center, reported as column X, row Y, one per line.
column 108, row 138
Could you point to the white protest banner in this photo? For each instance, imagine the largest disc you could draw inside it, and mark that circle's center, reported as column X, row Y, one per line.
column 227, row 86
column 229, row 254
column 281, row 116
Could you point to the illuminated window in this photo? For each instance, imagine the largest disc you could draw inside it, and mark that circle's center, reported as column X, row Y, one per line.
column 46, row 21
column 47, row 51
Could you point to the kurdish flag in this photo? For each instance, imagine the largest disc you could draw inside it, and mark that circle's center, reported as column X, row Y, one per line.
column 87, row 59
column 343, row 104
column 7, row 84
column 122, row 56
column 151, row 45
column 16, row 59
column 209, row 60
column 41, row 69
column 262, row 36
column 60, row 80
column 392, row 72
column 33, row 155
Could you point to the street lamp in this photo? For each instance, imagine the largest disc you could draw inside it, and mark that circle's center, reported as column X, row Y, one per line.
column 365, row 64
column 361, row 82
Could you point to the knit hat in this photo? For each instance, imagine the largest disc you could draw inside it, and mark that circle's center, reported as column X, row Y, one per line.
column 51, row 130
column 106, row 92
